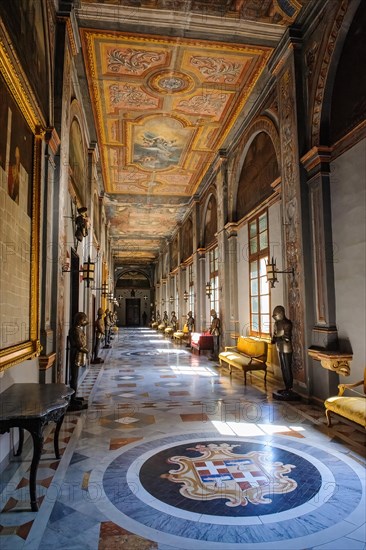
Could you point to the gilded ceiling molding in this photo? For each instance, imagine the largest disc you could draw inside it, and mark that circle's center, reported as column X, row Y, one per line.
column 202, row 80
column 291, row 5
column 72, row 33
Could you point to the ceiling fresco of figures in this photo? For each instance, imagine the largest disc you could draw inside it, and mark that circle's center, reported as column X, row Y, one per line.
column 163, row 107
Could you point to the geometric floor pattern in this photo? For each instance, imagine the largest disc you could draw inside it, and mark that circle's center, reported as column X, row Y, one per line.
column 174, row 453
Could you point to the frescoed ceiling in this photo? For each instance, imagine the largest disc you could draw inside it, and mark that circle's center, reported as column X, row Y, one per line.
column 265, row 11
column 163, row 107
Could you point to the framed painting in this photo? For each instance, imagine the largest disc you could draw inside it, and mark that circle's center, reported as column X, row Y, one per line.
column 26, row 21
column 20, row 159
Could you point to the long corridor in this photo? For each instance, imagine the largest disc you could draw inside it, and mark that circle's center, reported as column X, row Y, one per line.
column 173, row 453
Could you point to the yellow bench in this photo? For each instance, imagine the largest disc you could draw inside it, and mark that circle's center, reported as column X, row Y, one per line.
column 352, row 408
column 181, row 335
column 169, row 332
column 248, row 354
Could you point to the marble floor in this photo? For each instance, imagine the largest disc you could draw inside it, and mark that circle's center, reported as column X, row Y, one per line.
column 173, row 453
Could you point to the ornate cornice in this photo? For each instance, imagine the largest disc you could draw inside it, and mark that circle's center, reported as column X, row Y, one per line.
column 231, row 229
column 349, row 140
column 316, row 158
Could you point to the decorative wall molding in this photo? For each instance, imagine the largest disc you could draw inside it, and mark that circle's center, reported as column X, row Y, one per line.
column 334, row 361
column 291, row 197
column 46, row 361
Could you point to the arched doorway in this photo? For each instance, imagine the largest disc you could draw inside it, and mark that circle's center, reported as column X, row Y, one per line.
column 134, row 295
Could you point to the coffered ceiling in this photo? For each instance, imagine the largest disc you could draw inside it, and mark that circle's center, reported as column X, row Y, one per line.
column 164, row 102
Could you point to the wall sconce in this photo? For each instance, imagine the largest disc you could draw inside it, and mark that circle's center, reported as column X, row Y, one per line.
column 272, row 271
column 88, row 272
column 185, row 296
column 171, row 299
column 103, row 289
column 87, row 269
column 208, row 289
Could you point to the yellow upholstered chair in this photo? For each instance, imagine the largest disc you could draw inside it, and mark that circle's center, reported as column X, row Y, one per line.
column 181, row 335
column 353, row 408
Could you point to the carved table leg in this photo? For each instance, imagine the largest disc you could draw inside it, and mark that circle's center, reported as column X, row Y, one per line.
column 55, row 439
column 21, row 441
column 37, row 436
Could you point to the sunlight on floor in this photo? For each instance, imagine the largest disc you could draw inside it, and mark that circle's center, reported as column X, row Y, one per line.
column 193, row 371
column 172, row 351
column 247, row 429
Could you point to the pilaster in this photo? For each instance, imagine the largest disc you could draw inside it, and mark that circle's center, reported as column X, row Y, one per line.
column 324, row 335
column 289, row 96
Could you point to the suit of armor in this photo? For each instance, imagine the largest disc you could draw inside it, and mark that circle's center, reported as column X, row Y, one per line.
column 78, row 355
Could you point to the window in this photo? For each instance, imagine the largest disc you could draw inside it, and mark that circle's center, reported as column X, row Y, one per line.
column 259, row 288
column 214, row 279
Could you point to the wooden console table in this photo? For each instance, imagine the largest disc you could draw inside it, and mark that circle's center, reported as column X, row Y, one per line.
column 31, row 407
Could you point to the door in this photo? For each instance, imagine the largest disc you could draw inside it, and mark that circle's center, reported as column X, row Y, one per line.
column 133, row 312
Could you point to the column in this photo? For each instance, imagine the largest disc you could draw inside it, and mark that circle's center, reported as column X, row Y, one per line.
column 50, row 258
column 324, row 334
column 294, row 208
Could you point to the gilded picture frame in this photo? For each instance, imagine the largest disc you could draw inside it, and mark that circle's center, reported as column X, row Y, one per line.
column 21, row 133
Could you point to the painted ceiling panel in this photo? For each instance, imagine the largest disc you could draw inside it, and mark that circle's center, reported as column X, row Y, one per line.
column 164, row 105
column 159, row 99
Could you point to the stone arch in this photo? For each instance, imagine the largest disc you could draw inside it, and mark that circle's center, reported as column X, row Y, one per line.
column 165, row 264
column 348, row 104
column 96, row 216
column 187, row 239
column 261, row 124
column 78, row 152
column 140, row 275
column 209, row 218
column 326, row 72
column 260, row 169
column 174, row 253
